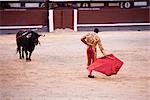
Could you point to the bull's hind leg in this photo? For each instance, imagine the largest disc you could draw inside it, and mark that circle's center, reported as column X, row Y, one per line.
column 23, row 53
column 19, row 49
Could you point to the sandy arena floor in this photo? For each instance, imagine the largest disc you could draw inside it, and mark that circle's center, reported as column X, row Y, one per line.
column 58, row 68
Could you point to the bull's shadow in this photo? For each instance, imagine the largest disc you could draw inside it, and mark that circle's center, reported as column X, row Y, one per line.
column 26, row 42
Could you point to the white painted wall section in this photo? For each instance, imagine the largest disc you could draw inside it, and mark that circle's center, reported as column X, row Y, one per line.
column 20, row 27
column 51, row 21
column 75, row 20
column 117, row 24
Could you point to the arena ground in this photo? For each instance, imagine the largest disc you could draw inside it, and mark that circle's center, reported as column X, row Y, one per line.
column 58, row 68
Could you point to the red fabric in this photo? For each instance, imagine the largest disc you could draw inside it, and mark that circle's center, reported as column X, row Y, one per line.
column 108, row 65
column 90, row 56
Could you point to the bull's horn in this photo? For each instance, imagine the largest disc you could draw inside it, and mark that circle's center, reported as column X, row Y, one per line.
column 42, row 35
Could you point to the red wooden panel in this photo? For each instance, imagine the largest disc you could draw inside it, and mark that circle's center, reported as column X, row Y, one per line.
column 63, row 18
column 23, row 17
column 68, row 18
column 113, row 15
column 57, row 19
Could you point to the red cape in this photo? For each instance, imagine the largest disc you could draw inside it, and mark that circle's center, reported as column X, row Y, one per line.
column 108, row 65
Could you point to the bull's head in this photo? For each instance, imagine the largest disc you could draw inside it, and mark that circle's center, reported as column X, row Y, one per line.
column 34, row 37
column 36, row 41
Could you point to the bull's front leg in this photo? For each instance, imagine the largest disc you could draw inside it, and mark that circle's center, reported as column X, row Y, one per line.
column 30, row 53
column 26, row 52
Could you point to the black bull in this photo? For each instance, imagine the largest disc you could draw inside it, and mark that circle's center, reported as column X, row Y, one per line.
column 26, row 42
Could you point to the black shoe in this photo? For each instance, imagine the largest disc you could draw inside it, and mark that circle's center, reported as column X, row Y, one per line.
column 91, row 76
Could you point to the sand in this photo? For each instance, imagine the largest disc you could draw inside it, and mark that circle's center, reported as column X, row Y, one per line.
column 58, row 68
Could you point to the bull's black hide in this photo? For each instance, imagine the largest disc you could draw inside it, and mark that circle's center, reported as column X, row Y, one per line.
column 26, row 42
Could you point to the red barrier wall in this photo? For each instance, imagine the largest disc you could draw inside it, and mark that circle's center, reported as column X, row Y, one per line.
column 13, row 17
column 114, row 15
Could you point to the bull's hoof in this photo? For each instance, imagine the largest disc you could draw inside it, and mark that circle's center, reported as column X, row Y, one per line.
column 21, row 58
column 27, row 59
